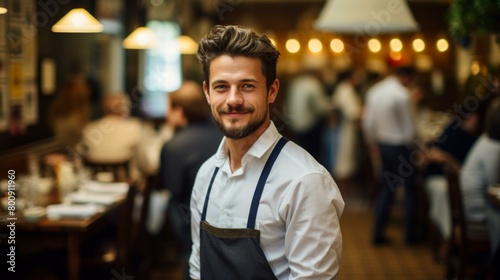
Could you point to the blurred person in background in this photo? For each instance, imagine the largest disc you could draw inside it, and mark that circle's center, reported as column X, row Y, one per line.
column 450, row 148
column 70, row 111
column 114, row 137
column 480, row 171
column 195, row 139
column 348, row 111
column 308, row 105
column 389, row 128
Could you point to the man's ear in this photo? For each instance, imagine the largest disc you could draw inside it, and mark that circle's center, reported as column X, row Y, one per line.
column 206, row 90
column 273, row 91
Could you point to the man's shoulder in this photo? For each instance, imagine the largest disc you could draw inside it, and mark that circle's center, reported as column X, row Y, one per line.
column 297, row 161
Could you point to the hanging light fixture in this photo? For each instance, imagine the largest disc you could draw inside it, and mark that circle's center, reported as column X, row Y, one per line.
column 292, row 45
column 140, row 38
column 337, row 45
column 366, row 17
column 3, row 7
column 187, row 45
column 78, row 21
column 374, row 45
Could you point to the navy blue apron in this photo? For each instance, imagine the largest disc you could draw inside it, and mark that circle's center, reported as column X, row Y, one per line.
column 235, row 253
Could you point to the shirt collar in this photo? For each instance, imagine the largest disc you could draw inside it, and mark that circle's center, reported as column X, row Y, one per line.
column 258, row 149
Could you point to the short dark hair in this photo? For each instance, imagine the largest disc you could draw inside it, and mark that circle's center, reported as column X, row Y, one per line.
column 238, row 41
column 493, row 120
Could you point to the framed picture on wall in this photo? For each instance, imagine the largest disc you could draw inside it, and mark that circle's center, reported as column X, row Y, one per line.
column 16, row 81
column 4, row 107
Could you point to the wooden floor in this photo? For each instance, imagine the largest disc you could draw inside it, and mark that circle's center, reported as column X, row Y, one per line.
column 362, row 260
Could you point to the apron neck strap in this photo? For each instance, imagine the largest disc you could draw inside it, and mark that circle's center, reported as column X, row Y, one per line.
column 205, row 205
column 262, row 181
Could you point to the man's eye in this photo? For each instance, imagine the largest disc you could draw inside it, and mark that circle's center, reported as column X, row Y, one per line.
column 220, row 87
column 248, row 86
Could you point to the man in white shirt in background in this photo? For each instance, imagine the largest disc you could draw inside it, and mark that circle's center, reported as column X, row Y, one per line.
column 390, row 130
column 308, row 105
column 261, row 208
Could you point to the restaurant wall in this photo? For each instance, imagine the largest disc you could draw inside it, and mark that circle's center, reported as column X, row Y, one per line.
column 99, row 57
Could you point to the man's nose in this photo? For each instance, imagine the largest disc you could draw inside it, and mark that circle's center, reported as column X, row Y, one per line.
column 234, row 98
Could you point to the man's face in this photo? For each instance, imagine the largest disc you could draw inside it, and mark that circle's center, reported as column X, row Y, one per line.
column 238, row 96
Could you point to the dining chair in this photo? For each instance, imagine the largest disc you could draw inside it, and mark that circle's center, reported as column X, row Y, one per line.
column 120, row 170
column 470, row 242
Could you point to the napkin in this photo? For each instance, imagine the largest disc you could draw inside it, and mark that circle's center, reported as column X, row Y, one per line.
column 56, row 211
column 94, row 198
column 100, row 187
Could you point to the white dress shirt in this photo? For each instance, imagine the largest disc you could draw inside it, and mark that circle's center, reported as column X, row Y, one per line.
column 480, row 170
column 307, row 103
column 298, row 215
column 388, row 115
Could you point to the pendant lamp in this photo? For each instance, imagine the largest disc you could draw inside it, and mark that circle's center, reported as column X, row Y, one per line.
column 3, row 7
column 140, row 38
column 78, row 21
column 371, row 17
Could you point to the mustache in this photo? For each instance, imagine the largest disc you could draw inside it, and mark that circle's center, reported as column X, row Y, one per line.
column 238, row 109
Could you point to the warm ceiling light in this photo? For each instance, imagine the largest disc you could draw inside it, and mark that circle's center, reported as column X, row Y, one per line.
column 337, row 45
column 369, row 17
column 374, row 45
column 315, row 45
column 292, row 45
column 3, row 10
column 418, row 45
column 187, row 45
column 78, row 21
column 475, row 68
column 396, row 45
column 141, row 38
column 442, row 45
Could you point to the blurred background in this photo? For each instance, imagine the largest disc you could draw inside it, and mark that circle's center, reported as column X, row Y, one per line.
column 61, row 59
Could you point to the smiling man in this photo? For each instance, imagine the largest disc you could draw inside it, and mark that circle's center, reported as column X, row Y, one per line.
column 261, row 207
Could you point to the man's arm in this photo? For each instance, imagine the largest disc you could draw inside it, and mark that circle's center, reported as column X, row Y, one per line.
column 313, row 241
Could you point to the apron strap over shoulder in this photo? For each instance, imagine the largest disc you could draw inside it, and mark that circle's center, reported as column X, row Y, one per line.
column 262, row 181
column 205, row 205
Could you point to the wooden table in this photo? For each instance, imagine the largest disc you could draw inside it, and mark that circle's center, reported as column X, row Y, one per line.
column 70, row 231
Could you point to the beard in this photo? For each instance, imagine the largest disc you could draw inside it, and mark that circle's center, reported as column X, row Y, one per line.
column 239, row 132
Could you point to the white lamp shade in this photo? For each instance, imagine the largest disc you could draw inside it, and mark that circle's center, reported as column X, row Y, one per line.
column 371, row 17
column 78, row 21
column 140, row 38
